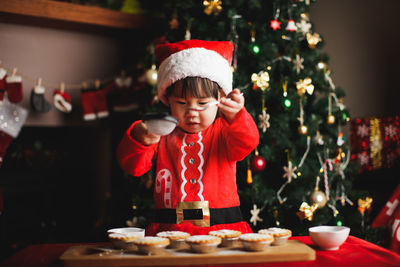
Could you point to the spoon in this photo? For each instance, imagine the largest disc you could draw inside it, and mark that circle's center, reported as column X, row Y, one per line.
column 209, row 104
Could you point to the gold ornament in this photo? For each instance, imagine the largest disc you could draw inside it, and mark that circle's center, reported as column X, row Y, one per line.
column 151, row 75
column 364, row 204
column 302, row 129
column 313, row 39
column 212, row 6
column 304, row 86
column 306, row 211
column 330, row 119
column 318, row 197
column 260, row 80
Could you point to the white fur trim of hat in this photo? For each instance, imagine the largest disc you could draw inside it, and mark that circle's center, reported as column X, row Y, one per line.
column 194, row 58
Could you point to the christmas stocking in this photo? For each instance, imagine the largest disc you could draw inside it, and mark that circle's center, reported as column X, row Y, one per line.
column 13, row 88
column 94, row 104
column 62, row 101
column 3, row 76
column 38, row 102
column 12, row 118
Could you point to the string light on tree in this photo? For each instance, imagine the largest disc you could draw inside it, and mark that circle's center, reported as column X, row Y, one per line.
column 321, row 65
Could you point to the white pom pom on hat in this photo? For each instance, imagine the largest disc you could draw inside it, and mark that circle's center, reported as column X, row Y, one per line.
column 194, row 58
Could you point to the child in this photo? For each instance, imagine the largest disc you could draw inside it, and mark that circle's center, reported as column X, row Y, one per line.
column 195, row 187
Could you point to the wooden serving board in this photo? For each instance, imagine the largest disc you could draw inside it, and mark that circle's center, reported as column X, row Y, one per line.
column 104, row 256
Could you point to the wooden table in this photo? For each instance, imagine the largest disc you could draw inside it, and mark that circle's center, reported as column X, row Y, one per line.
column 354, row 252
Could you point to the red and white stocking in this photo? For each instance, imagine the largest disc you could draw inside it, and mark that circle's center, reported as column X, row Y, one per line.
column 12, row 118
column 62, row 100
column 3, row 76
column 13, row 87
column 94, row 104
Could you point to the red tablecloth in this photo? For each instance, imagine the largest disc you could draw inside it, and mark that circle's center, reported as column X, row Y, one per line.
column 354, row 252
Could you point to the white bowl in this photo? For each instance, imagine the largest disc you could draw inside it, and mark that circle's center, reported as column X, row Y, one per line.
column 329, row 237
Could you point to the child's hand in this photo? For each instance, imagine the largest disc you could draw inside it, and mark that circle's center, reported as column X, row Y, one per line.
column 143, row 136
column 232, row 104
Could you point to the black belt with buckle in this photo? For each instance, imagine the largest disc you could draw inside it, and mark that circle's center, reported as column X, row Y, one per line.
column 202, row 216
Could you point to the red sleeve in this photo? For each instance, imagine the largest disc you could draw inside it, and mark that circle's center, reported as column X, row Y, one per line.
column 134, row 157
column 241, row 135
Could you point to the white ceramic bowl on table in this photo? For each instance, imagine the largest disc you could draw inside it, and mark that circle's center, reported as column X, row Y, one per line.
column 329, row 237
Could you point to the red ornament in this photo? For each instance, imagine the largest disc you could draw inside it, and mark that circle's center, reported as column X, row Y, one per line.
column 258, row 163
column 275, row 24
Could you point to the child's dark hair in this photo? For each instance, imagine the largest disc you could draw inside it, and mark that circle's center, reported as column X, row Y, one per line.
column 196, row 87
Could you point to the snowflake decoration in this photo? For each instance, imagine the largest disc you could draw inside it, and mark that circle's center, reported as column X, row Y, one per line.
column 390, row 131
column 363, row 159
column 362, row 130
column 254, row 215
column 303, row 26
column 263, row 121
column 298, row 63
column 289, row 172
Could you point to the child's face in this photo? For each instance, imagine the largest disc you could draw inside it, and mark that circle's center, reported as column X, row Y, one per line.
column 192, row 121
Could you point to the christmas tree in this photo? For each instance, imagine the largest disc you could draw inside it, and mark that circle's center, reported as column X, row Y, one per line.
column 301, row 174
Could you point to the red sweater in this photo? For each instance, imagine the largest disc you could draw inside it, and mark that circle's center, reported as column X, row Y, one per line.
column 193, row 167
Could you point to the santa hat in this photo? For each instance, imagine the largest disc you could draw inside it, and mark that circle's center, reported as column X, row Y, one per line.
column 194, row 58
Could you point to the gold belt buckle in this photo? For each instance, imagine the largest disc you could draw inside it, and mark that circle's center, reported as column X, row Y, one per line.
column 193, row 205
